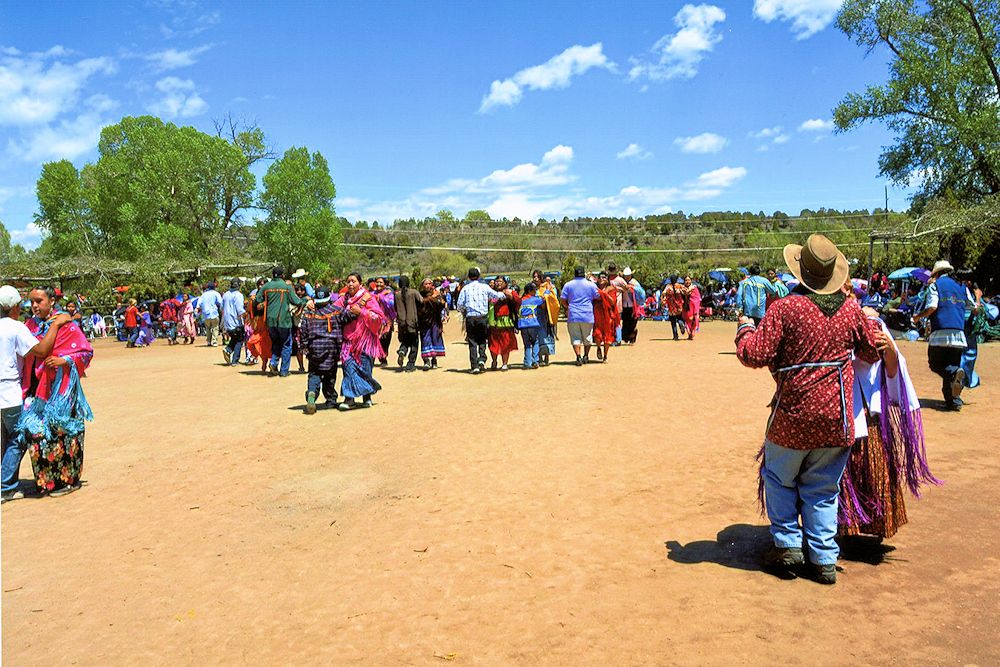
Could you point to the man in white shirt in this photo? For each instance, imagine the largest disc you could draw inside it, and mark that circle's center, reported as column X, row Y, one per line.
column 16, row 343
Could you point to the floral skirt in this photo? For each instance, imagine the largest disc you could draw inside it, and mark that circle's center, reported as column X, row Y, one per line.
column 56, row 463
column 358, row 378
column 432, row 343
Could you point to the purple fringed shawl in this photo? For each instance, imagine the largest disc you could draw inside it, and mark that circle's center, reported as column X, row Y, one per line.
column 902, row 439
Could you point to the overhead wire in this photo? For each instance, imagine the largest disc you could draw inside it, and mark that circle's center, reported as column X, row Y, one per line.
column 606, row 251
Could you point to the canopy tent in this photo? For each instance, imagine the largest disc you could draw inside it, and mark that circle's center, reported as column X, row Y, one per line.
column 909, row 273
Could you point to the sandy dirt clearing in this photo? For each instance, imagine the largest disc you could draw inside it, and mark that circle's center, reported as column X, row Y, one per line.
column 595, row 515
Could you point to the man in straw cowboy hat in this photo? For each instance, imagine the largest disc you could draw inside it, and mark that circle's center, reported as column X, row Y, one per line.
column 945, row 304
column 807, row 341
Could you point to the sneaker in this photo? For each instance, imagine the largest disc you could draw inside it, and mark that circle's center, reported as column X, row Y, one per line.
column 482, row 367
column 600, row 354
column 579, row 361
column 282, row 375
column 367, row 404
column 330, row 405
column 476, row 371
column 400, row 359
column 504, row 367
column 272, row 370
column 427, row 366
column 783, row 561
column 13, row 494
column 310, row 403
column 228, row 356
column 65, row 491
column 586, row 359
column 410, row 368
column 958, row 383
column 345, row 406
column 533, row 366
column 824, row 574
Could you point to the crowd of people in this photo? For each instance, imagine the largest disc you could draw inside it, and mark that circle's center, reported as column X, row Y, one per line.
column 843, row 441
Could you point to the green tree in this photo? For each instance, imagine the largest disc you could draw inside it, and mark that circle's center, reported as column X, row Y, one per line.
column 157, row 190
column 942, row 97
column 477, row 218
column 301, row 228
column 64, row 213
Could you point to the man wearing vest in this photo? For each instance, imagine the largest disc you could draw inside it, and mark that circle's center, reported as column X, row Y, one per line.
column 945, row 303
column 276, row 296
column 751, row 296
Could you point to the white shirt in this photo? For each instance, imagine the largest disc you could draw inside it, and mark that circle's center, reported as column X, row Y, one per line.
column 15, row 342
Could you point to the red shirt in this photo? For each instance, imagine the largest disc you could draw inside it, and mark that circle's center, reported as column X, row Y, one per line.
column 131, row 316
column 168, row 311
column 814, row 404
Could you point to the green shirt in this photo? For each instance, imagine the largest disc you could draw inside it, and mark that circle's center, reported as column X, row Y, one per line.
column 279, row 295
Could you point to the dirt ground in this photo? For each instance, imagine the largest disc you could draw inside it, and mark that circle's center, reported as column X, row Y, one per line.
column 595, row 515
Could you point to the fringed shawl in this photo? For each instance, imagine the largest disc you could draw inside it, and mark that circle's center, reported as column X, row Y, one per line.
column 71, row 344
column 361, row 335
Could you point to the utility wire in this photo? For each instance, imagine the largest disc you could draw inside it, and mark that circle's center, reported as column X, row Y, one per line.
column 533, row 233
column 575, row 251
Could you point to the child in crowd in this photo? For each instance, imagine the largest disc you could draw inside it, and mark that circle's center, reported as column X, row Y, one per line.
column 532, row 318
column 321, row 335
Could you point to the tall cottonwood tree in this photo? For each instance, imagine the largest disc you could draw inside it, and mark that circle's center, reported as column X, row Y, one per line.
column 942, row 97
column 301, row 229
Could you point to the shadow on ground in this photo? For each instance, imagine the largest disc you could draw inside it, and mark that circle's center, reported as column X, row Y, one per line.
column 936, row 404
column 742, row 546
column 739, row 546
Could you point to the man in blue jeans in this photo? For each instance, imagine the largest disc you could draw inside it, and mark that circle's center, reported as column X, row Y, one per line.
column 807, row 340
column 275, row 296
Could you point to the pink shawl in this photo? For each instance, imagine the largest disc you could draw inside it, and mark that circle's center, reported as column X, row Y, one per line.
column 70, row 343
column 361, row 335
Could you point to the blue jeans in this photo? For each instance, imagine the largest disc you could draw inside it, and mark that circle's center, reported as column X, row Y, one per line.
column 133, row 335
column 13, row 448
column 530, row 336
column 281, row 347
column 235, row 344
column 324, row 381
column 805, row 481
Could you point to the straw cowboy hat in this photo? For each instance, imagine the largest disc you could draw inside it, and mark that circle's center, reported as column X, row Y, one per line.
column 941, row 265
column 301, row 273
column 818, row 264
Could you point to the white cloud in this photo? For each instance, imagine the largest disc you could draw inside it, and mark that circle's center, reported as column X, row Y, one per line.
column 179, row 99
column 553, row 169
column 707, row 142
column 807, row 16
column 557, row 72
column 29, row 237
column 67, row 139
column 769, row 135
column 723, row 177
column 816, row 125
column 173, row 59
column 634, row 151
column 530, row 191
column 680, row 53
column 33, row 92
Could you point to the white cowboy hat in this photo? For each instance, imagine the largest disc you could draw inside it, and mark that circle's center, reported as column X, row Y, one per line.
column 627, row 271
column 300, row 273
column 941, row 265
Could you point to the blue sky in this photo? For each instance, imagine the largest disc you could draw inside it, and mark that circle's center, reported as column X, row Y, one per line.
column 525, row 109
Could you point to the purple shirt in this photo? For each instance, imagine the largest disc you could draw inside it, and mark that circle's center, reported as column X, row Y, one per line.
column 580, row 294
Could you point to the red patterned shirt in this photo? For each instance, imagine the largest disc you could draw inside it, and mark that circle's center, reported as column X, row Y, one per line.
column 809, row 355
